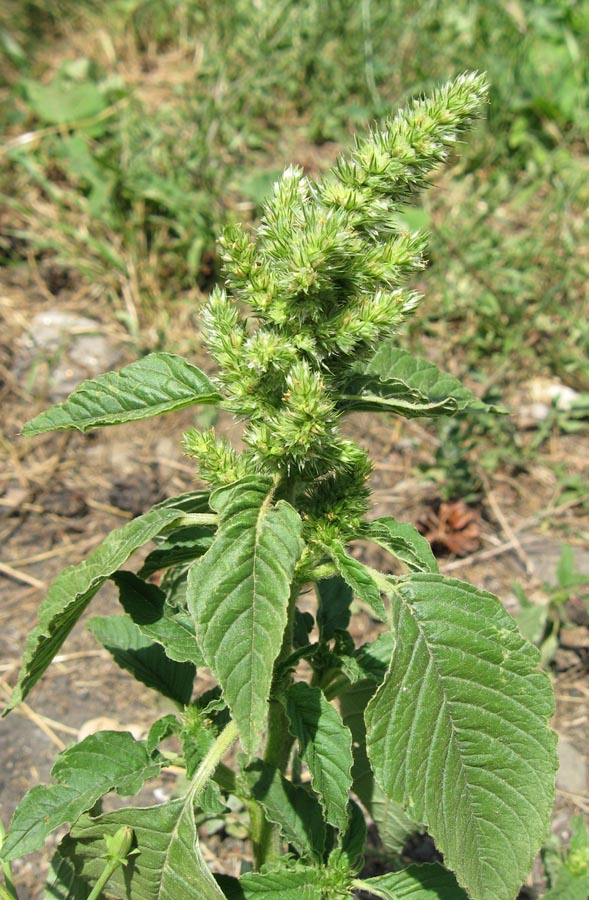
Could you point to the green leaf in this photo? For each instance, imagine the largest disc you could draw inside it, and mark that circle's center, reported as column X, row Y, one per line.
column 403, row 541
column 146, row 605
column 350, row 855
column 64, row 101
column 325, row 746
column 181, row 546
column 158, row 383
column 168, row 866
column 358, row 576
column 333, row 610
column 400, row 382
column 287, row 883
column 458, row 732
column 569, row 879
column 160, row 730
column 146, row 661
column 431, row 882
column 296, row 812
column 238, row 595
column 74, row 588
column 106, row 761
column 370, row 393
column 393, row 824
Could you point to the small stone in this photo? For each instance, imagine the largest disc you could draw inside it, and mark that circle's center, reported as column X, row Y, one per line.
column 572, row 770
column 59, row 350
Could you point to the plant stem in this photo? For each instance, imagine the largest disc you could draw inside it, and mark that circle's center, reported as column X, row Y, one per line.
column 111, row 867
column 8, row 892
column 212, row 759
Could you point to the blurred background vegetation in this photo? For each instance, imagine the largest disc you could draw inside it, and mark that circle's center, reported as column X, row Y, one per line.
column 133, row 129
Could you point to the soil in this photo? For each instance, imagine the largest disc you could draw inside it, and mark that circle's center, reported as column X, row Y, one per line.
column 61, row 494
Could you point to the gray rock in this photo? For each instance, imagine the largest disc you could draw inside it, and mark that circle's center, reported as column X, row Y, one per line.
column 544, row 554
column 572, row 770
column 59, row 350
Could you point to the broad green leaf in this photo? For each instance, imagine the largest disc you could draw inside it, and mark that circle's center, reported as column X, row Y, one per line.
column 428, row 882
column 403, row 541
column 458, row 732
column 158, row 383
column 288, row 883
column 146, row 661
column 238, row 595
column 146, row 604
column 189, row 502
column 333, row 611
column 366, row 393
column 160, row 730
column 350, row 855
column 180, row 546
column 74, row 588
column 359, row 577
column 393, row 824
column 325, row 746
column 106, row 761
column 168, row 866
column 64, row 100
column 397, row 381
column 296, row 812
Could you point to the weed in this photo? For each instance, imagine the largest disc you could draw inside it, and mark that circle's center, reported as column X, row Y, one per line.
column 441, row 721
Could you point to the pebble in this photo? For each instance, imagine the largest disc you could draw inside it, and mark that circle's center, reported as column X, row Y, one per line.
column 60, row 349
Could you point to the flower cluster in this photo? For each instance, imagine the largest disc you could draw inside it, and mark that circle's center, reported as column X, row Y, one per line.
column 315, row 291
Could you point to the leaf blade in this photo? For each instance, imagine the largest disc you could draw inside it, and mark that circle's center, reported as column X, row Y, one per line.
column 156, row 384
column 402, row 540
column 325, row 745
column 74, row 588
column 427, row 882
column 108, row 760
column 169, row 865
column 358, row 576
column 396, row 380
column 296, row 812
column 238, row 595
column 289, row 883
column 145, row 660
column 459, row 729
column 146, row 605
